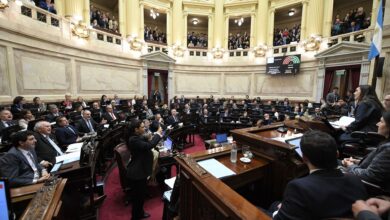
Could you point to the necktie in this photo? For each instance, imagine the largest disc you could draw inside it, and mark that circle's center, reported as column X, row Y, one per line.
column 55, row 146
column 6, row 124
column 112, row 116
column 31, row 161
column 90, row 126
column 71, row 130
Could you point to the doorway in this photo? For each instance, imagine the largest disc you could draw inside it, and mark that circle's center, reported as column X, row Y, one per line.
column 344, row 77
column 158, row 81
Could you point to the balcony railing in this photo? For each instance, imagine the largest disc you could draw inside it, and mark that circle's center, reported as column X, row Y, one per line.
column 106, row 36
column 41, row 15
column 157, row 47
column 192, row 52
column 356, row 36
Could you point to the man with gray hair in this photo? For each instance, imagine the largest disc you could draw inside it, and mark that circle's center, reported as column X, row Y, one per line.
column 86, row 124
column 54, row 113
column 46, row 148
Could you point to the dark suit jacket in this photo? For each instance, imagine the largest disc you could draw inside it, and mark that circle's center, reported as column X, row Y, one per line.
column 44, row 150
column 321, row 195
column 65, row 136
column 171, row 120
column 82, row 126
column 141, row 163
column 367, row 215
column 51, row 118
column 367, row 115
column 2, row 126
column 108, row 116
column 14, row 165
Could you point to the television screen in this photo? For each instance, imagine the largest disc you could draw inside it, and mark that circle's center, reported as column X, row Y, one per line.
column 283, row 65
column 5, row 209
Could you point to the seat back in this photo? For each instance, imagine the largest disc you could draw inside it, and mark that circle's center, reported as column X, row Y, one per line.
column 122, row 156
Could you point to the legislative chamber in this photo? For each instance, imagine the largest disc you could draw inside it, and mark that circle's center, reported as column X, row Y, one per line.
column 194, row 109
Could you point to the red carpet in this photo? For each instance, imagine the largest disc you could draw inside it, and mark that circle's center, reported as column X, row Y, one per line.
column 114, row 208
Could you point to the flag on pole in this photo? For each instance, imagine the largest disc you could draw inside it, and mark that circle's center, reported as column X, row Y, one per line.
column 376, row 44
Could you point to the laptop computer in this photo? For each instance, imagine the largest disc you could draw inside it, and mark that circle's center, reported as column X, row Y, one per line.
column 221, row 138
column 296, row 142
column 5, row 200
column 168, row 143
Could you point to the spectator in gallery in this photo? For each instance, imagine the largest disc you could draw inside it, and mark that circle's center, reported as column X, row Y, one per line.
column 27, row 116
column 38, row 104
column 67, row 103
column 17, row 105
column 48, row 6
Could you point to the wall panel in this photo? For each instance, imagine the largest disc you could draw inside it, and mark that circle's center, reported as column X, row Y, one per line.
column 4, row 79
column 197, row 83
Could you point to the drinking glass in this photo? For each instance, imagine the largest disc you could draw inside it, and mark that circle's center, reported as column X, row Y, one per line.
column 246, row 151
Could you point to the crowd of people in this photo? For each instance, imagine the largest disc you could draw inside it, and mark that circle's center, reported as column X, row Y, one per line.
column 154, row 35
column 148, row 117
column 239, row 40
column 197, row 40
column 286, row 35
column 354, row 20
column 103, row 20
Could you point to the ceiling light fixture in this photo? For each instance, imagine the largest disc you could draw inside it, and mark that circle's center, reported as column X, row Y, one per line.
column 239, row 21
column 153, row 13
column 195, row 21
column 291, row 12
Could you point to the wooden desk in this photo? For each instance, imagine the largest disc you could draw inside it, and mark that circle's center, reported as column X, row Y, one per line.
column 24, row 193
column 214, row 198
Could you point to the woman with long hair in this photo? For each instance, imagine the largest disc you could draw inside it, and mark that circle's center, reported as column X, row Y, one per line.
column 27, row 116
column 139, row 168
column 375, row 167
column 367, row 113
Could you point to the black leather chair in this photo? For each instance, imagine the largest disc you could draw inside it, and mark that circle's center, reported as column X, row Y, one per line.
column 367, row 142
column 122, row 156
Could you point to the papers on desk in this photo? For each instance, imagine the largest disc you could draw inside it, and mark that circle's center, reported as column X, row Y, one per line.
column 76, row 147
column 170, row 182
column 216, row 168
column 285, row 138
column 343, row 121
column 68, row 158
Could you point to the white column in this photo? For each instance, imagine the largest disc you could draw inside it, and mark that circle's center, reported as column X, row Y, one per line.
column 303, row 20
column 144, row 79
column 12, row 72
column 86, row 12
column 170, row 82
column 142, row 22
column 271, row 23
column 169, row 27
column 320, row 81
column 262, row 22
column 226, row 35
column 365, row 73
column 210, row 34
column 122, row 17
column 253, row 31
column 185, row 29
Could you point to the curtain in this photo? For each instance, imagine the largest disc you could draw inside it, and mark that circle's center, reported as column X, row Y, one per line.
column 329, row 75
column 355, row 78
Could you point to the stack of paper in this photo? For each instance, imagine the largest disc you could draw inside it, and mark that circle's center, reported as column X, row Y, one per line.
column 170, row 182
column 68, row 158
column 216, row 168
column 285, row 138
column 343, row 121
column 76, row 147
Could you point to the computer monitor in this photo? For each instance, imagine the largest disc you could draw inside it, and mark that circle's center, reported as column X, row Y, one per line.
column 168, row 143
column 221, row 138
column 296, row 142
column 5, row 200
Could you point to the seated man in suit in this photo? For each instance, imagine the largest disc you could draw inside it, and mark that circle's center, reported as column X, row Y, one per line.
column 54, row 113
column 174, row 118
column 205, row 116
column 46, row 148
column 6, row 120
column 20, row 164
column 326, row 192
column 66, row 134
column 110, row 115
column 86, row 124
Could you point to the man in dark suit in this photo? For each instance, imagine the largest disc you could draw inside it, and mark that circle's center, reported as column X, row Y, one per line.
column 86, row 124
column 333, row 96
column 54, row 113
column 46, row 148
column 20, row 164
column 156, row 96
column 174, row 118
column 66, row 134
column 110, row 115
column 6, row 120
column 326, row 192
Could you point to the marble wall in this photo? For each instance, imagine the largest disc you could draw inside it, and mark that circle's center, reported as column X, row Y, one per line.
column 5, row 91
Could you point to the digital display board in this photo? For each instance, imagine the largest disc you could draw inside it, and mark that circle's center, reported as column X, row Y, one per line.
column 283, row 65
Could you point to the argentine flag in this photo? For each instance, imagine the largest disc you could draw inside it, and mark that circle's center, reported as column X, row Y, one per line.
column 376, row 44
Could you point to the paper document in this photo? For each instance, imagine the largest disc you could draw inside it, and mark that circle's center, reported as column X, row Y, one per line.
column 76, row 147
column 170, row 182
column 343, row 121
column 285, row 138
column 216, row 168
column 68, row 157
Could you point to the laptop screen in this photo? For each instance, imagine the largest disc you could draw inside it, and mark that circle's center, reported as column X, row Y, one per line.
column 221, row 138
column 168, row 143
column 4, row 200
column 297, row 143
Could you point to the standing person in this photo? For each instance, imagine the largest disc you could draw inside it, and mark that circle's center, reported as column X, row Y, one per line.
column 139, row 168
column 333, row 96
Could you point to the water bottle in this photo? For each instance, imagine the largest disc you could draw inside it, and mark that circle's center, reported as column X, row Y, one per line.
column 233, row 153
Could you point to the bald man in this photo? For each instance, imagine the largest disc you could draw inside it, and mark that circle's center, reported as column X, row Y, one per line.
column 86, row 124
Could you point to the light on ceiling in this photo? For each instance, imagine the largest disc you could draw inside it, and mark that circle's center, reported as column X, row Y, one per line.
column 291, row 12
column 195, row 21
column 153, row 13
